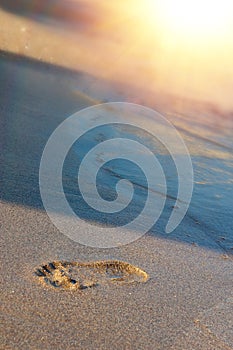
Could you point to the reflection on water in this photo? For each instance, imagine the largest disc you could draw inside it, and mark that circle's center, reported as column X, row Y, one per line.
column 127, row 61
column 117, row 41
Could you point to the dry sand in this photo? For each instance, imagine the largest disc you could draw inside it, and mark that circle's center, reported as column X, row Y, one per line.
column 186, row 303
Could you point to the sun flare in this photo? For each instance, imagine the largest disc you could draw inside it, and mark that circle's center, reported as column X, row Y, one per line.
column 193, row 18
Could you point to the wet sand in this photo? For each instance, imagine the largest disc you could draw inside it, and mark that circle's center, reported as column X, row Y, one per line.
column 187, row 284
column 187, row 301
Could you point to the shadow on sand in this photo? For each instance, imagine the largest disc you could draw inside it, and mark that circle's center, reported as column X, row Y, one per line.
column 80, row 14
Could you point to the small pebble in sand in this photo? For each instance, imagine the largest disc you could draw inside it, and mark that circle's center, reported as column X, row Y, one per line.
column 224, row 256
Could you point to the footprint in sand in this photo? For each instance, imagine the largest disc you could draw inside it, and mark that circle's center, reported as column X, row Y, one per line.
column 77, row 275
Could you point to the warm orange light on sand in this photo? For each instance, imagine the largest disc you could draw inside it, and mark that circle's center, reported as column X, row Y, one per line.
column 196, row 19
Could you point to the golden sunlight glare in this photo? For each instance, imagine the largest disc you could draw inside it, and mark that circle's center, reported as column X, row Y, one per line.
column 193, row 18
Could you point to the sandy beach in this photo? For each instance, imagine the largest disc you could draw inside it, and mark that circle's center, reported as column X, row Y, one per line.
column 187, row 301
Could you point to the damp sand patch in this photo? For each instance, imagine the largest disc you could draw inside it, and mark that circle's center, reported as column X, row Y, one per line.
column 81, row 275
